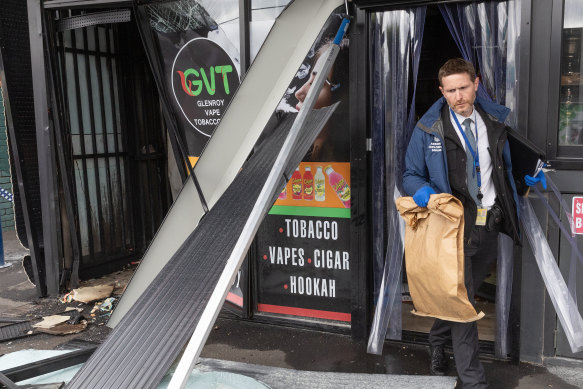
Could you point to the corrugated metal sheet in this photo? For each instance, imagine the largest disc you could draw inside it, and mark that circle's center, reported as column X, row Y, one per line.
column 15, row 331
column 139, row 351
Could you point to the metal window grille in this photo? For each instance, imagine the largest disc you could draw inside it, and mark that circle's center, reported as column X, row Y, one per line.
column 115, row 140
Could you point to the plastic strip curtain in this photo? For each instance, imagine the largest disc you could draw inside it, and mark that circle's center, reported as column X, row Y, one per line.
column 487, row 34
column 396, row 47
column 561, row 295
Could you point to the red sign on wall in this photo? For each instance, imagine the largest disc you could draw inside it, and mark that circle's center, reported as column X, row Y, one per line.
column 578, row 215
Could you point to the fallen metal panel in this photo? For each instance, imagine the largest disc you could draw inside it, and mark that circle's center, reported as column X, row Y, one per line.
column 49, row 365
column 251, row 107
column 15, row 331
column 140, row 350
column 6, row 381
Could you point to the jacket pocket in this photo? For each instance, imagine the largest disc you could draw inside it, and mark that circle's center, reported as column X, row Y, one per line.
column 453, row 154
column 456, row 165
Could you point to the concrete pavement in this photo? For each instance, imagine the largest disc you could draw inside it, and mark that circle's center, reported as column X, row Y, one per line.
column 262, row 345
column 16, row 292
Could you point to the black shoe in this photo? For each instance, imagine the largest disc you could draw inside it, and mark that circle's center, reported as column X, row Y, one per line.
column 438, row 364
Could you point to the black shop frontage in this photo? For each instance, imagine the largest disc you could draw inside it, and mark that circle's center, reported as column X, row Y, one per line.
column 132, row 93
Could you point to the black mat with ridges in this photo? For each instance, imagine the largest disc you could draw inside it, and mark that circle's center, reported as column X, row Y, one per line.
column 139, row 351
column 15, row 331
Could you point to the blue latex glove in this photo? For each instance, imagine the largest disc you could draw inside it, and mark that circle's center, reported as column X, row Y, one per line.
column 540, row 177
column 421, row 197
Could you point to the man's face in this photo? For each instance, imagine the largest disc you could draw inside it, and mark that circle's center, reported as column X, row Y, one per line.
column 460, row 92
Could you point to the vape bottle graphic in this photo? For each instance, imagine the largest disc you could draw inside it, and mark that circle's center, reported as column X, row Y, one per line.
column 297, row 184
column 320, row 185
column 340, row 186
column 308, row 184
column 283, row 194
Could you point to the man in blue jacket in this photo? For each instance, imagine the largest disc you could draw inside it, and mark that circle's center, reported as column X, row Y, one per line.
column 460, row 147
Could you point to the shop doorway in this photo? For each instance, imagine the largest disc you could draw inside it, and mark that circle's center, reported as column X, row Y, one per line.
column 437, row 47
column 408, row 48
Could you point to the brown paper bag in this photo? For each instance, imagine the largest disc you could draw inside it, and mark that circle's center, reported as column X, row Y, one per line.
column 434, row 258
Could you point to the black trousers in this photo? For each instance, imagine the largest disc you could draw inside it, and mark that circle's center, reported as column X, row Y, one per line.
column 480, row 254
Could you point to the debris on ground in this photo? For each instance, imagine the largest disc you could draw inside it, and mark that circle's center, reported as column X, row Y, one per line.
column 88, row 294
column 75, row 315
column 17, row 333
column 65, row 328
column 51, row 321
column 69, row 322
column 104, row 306
column 67, row 298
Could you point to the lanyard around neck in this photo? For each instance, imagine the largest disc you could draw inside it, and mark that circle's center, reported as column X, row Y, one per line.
column 475, row 155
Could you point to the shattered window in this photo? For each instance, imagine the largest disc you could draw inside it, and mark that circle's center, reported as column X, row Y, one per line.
column 218, row 14
column 179, row 16
column 223, row 11
column 219, row 18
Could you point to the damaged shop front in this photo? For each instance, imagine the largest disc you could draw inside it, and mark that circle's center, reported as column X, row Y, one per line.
column 135, row 117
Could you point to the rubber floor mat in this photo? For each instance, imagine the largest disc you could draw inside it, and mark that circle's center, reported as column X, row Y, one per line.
column 15, row 331
column 141, row 348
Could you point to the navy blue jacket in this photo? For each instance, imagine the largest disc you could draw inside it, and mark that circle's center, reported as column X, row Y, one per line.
column 426, row 162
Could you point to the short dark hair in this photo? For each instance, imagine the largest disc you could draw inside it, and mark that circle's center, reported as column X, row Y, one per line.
column 456, row 66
